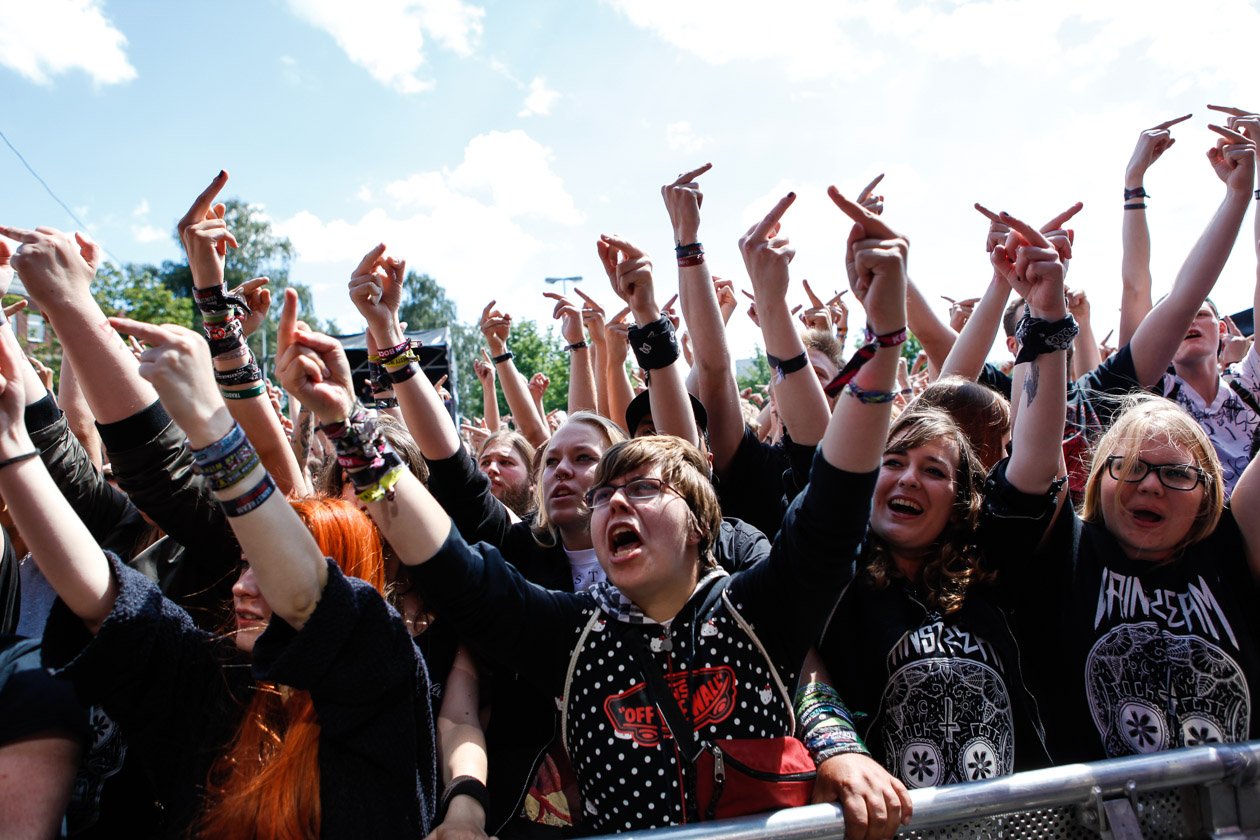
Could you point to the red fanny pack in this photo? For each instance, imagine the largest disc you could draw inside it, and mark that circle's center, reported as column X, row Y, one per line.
column 741, row 776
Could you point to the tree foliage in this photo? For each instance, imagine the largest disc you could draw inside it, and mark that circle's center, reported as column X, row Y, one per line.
column 756, row 375
column 138, row 291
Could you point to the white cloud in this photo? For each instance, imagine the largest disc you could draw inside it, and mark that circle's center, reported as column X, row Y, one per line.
column 540, row 98
column 1211, row 40
column 681, row 137
column 466, row 226
column 364, row 193
column 146, row 233
column 142, row 209
column 387, row 37
column 51, row 37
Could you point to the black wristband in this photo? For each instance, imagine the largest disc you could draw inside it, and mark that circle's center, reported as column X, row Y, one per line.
column 1257, row 195
column 1136, row 192
column 577, row 345
column 464, row 786
column 401, row 375
column 655, row 346
column 1038, row 336
column 1141, row 206
column 785, row 366
column 500, row 359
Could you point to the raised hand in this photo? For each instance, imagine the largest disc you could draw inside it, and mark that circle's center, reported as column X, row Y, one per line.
column 727, row 302
column 177, row 363
column 538, row 385
column 960, row 311
column 874, row 203
column 1234, row 345
column 484, row 370
column 312, row 366
column 752, row 308
column 1233, row 159
column 668, row 311
column 258, row 298
column 682, row 200
column 767, row 255
column 1151, row 143
column 495, row 326
column 817, row 316
column 630, row 272
column 1078, row 304
column 376, row 288
column 1035, row 269
column 876, row 263
column 1241, row 120
column 592, row 317
column 997, row 228
column 6, row 268
column 1061, row 238
column 617, row 334
column 51, row 263
column 205, row 235
column 568, row 315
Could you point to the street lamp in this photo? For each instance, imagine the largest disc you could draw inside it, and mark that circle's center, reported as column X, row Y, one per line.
column 564, row 281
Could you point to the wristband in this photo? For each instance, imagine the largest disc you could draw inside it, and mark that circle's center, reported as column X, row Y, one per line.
column 1136, row 192
column 871, row 397
column 400, row 361
column 863, row 355
column 782, row 367
column 251, row 500
column 655, row 345
column 464, row 786
column 695, row 249
column 246, row 373
column 577, row 345
column 689, row 262
column 1257, row 195
column 1141, row 206
column 385, row 402
column 17, row 459
column 218, row 299
column 221, row 448
column 501, row 358
column 388, row 353
column 245, row 393
column 398, row 377
column 1038, row 336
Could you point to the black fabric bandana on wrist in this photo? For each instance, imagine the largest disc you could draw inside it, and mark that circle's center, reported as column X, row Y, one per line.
column 219, row 299
column 863, row 355
column 655, row 346
column 1037, row 336
column 782, row 367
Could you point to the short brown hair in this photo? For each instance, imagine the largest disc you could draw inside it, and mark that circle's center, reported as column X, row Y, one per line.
column 683, row 468
column 982, row 414
column 1148, row 417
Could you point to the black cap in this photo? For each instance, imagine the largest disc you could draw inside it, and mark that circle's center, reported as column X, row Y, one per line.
column 640, row 407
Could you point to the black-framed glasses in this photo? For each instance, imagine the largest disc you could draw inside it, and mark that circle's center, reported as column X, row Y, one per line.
column 638, row 490
column 1173, row 476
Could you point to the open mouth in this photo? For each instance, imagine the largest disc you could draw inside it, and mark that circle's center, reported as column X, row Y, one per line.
column 1193, row 334
column 248, row 617
column 624, row 541
column 905, row 507
column 1147, row 517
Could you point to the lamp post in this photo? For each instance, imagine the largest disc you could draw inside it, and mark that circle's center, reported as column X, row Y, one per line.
column 564, row 281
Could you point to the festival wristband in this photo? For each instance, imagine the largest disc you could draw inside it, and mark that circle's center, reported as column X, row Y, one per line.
column 863, row 355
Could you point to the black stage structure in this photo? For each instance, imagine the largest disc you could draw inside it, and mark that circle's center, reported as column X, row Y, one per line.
column 433, row 347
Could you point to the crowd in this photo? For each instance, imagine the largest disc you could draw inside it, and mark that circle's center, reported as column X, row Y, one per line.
column 236, row 610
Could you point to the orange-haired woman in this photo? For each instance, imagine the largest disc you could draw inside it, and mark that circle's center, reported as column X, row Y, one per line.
column 331, row 735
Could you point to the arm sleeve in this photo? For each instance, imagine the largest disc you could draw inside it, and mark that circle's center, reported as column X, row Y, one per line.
column 503, row 617
column 1020, row 537
column 463, row 491
column 790, row 595
column 751, row 486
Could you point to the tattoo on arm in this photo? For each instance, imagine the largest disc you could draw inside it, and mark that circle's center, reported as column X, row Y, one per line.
column 1030, row 380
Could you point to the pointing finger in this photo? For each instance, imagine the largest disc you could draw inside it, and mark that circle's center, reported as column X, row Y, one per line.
column 288, row 321
column 873, row 225
column 624, row 246
column 1225, row 109
column 1057, row 221
column 987, row 213
column 584, row 296
column 370, row 259
column 204, row 202
column 813, row 298
column 1032, row 237
column 1167, row 124
column 761, row 230
column 692, row 175
column 1228, row 134
column 869, row 188
column 150, row 334
column 19, row 234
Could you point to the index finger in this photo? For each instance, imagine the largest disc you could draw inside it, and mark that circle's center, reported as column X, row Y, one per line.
column 837, row 298
column 873, row 225
column 440, row 382
column 692, row 175
column 866, row 191
column 1057, row 222
column 150, row 334
column 1167, row 124
column 1032, row 237
column 669, row 303
column 620, row 316
column 1229, row 134
column 813, row 298
column 19, row 234
column 584, row 296
column 631, row 251
column 1233, row 112
column 747, row 295
column 369, row 260
column 762, row 229
column 202, row 204
column 485, row 313
column 557, row 297
column 288, row 321
column 1107, row 336
column 987, row 213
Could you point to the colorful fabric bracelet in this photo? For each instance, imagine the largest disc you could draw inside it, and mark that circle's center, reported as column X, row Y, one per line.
column 870, row 397
column 400, row 361
column 242, row 375
column 863, row 355
column 383, row 488
column 219, row 299
column 824, row 724
column 364, row 454
column 221, row 448
column 387, row 353
column 655, row 346
column 252, row 499
column 227, row 461
column 245, row 393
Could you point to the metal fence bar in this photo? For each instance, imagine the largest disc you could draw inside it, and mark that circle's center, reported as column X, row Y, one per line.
column 1069, row 784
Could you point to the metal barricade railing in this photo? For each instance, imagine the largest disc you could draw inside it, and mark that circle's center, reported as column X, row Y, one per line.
column 1211, row 791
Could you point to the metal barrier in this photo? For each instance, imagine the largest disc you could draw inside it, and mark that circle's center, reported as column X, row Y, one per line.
column 1196, row 792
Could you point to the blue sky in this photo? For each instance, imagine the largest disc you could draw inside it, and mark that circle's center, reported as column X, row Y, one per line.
column 490, row 143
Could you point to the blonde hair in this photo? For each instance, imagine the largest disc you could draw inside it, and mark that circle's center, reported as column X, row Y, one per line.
column 952, row 563
column 683, row 468
column 1146, row 417
column 544, row 531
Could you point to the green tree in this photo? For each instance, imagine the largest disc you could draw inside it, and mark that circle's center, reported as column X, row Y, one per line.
column 535, row 351
column 138, row 291
column 756, row 375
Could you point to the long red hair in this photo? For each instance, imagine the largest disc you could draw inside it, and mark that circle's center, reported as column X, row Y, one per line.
column 266, row 782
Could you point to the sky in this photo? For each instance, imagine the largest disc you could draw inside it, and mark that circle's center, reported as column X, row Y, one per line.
column 490, row 143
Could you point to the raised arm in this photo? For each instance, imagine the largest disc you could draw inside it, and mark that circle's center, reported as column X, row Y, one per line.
column 228, row 318
column 581, row 376
column 630, row 273
column 617, row 347
column 1086, row 354
column 1135, row 254
column 933, row 333
column 289, row 567
column 1036, row 272
column 1156, row 339
column 484, row 370
column 705, row 319
column 767, row 253
column 875, row 258
column 495, row 326
column 593, row 320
